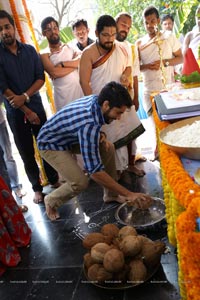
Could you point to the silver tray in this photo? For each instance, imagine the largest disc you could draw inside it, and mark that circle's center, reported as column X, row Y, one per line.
column 138, row 218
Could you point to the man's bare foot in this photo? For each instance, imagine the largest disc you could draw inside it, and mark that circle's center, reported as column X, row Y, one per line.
column 19, row 192
column 38, row 197
column 140, row 158
column 52, row 213
column 119, row 199
column 136, row 171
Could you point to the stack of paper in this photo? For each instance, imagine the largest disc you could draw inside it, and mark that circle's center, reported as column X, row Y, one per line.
column 177, row 105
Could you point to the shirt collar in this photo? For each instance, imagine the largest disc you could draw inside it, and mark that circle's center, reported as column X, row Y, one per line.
column 79, row 45
column 19, row 45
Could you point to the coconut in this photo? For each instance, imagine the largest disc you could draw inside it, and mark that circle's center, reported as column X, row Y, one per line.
column 131, row 245
column 113, row 260
column 93, row 238
column 110, row 230
column 123, row 274
column 138, row 271
column 98, row 273
column 126, row 230
column 151, row 253
column 98, row 251
column 88, row 261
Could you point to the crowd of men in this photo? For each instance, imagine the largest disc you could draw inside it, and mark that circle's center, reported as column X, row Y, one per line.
column 95, row 87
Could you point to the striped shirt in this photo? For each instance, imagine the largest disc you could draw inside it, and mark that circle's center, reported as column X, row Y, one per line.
column 78, row 122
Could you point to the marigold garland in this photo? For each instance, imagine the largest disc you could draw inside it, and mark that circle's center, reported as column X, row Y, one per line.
column 17, row 20
column 27, row 14
column 181, row 194
column 50, row 94
column 189, row 244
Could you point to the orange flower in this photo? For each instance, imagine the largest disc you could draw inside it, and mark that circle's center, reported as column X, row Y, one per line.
column 182, row 198
column 17, row 21
column 30, row 25
column 189, row 245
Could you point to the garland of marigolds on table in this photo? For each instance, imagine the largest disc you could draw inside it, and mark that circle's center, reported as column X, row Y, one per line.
column 182, row 200
column 189, row 243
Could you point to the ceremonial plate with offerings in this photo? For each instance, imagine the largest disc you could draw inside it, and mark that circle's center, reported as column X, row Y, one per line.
column 139, row 218
column 120, row 258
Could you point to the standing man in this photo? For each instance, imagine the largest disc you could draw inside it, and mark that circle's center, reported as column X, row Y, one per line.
column 21, row 77
column 103, row 61
column 192, row 38
column 76, row 129
column 167, row 22
column 80, row 30
column 159, row 52
column 61, row 62
column 124, row 22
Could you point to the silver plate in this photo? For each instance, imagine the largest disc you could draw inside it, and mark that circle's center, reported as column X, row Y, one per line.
column 129, row 215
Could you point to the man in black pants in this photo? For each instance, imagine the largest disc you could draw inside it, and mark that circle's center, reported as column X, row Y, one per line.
column 21, row 77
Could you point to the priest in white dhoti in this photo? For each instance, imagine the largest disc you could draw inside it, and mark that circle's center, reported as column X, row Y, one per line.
column 104, row 61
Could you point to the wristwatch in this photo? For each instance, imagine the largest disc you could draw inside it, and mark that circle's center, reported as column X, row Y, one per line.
column 166, row 63
column 27, row 97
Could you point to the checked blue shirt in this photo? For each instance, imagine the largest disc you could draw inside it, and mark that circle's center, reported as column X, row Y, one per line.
column 78, row 122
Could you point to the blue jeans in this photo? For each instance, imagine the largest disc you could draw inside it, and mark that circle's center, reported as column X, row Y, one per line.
column 8, row 157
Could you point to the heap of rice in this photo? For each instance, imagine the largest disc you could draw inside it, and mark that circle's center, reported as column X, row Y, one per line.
column 186, row 136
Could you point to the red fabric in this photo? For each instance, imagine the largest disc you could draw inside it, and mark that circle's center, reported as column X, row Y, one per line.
column 14, row 231
column 190, row 64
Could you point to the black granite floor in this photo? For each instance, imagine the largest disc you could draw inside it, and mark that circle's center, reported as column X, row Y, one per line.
column 51, row 267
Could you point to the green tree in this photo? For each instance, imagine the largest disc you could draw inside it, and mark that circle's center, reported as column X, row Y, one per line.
column 183, row 12
column 64, row 11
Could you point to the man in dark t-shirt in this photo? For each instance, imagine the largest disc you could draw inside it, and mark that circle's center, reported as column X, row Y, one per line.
column 81, row 31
